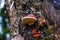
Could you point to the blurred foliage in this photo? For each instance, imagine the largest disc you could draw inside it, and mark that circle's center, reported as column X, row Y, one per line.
column 4, row 23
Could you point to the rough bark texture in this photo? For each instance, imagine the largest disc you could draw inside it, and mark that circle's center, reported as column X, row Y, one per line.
column 13, row 18
column 14, row 14
column 51, row 11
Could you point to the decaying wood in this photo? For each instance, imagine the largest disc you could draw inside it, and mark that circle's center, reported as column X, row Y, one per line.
column 13, row 18
column 14, row 14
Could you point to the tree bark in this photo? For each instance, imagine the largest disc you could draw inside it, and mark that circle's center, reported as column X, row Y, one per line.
column 13, row 18
column 14, row 15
